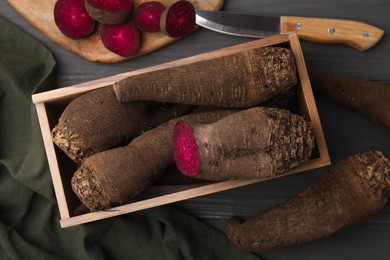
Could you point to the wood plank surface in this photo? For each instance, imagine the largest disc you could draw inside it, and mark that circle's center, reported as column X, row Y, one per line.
column 345, row 131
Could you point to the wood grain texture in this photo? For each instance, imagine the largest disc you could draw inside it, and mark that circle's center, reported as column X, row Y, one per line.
column 359, row 35
column 40, row 14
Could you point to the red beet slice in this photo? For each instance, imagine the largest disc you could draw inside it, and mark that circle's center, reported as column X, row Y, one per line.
column 185, row 150
column 147, row 16
column 109, row 11
column 179, row 19
column 72, row 18
column 123, row 39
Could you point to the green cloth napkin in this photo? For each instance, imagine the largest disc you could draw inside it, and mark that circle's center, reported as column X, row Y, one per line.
column 29, row 217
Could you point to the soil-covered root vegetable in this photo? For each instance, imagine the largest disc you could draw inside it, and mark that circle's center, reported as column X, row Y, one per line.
column 254, row 143
column 109, row 11
column 112, row 177
column 283, row 100
column 96, row 121
column 356, row 188
column 123, row 39
column 369, row 98
column 72, row 19
column 242, row 79
column 178, row 19
column 147, row 16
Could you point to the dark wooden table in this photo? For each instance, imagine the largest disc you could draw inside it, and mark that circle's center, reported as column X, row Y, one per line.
column 346, row 132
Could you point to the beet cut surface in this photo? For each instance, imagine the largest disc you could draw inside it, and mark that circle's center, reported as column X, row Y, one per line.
column 185, row 149
column 179, row 19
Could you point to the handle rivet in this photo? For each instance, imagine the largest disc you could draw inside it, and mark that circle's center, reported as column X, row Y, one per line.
column 332, row 30
column 298, row 26
column 366, row 35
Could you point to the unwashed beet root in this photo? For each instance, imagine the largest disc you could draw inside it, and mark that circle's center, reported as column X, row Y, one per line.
column 111, row 177
column 254, row 143
column 123, row 39
column 72, row 19
column 109, row 11
column 147, row 16
column 353, row 190
column 178, row 20
column 219, row 82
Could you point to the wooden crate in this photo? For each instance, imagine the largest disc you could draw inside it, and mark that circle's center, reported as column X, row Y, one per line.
column 49, row 106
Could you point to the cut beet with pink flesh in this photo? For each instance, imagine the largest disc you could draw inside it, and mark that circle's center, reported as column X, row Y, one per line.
column 123, row 39
column 147, row 16
column 185, row 150
column 72, row 19
column 179, row 19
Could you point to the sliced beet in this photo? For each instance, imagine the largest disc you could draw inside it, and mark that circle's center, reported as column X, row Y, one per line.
column 185, row 149
column 179, row 19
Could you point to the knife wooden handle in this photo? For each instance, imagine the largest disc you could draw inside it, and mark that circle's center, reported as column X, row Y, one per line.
column 359, row 35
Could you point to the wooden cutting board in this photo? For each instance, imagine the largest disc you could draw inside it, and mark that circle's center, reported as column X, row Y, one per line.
column 40, row 14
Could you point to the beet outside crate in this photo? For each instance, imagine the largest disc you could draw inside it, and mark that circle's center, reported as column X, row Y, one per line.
column 49, row 106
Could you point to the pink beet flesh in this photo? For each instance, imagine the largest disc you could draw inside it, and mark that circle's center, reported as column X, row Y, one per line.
column 180, row 19
column 121, row 6
column 72, row 19
column 185, row 150
column 123, row 39
column 147, row 16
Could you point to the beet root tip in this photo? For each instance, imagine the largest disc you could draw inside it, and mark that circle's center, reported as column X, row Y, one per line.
column 185, row 149
column 89, row 190
column 232, row 225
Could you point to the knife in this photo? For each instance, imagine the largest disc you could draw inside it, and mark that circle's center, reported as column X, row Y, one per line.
column 356, row 34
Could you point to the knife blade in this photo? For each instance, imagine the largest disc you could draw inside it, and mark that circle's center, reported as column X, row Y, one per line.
column 359, row 35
